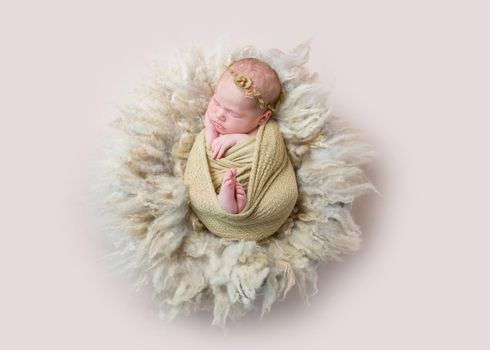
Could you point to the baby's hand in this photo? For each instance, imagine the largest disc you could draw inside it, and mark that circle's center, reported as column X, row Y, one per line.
column 211, row 133
column 221, row 144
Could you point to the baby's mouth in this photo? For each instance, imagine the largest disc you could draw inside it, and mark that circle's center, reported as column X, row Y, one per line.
column 218, row 125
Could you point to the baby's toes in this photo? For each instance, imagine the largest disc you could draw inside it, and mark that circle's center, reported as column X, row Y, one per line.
column 239, row 189
column 230, row 174
column 241, row 197
column 228, row 183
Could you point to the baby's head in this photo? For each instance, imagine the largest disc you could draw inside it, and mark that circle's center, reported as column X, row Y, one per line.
column 245, row 97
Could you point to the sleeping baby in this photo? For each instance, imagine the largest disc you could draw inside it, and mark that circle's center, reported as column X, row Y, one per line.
column 240, row 179
column 245, row 97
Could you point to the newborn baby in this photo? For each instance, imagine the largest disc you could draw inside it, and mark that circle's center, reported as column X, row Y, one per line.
column 245, row 97
column 240, row 179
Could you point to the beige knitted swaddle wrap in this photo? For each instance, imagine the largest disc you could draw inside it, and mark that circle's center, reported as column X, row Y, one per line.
column 266, row 173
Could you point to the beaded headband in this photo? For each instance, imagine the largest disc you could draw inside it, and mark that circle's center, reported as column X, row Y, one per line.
column 245, row 83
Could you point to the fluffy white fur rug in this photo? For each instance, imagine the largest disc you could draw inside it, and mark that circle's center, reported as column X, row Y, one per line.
column 160, row 241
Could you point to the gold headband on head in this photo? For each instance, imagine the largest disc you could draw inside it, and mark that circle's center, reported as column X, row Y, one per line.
column 245, row 83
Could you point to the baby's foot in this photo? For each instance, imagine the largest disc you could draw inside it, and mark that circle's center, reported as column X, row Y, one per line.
column 226, row 196
column 241, row 197
column 211, row 133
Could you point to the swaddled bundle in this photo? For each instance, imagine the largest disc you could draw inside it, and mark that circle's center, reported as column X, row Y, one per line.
column 264, row 170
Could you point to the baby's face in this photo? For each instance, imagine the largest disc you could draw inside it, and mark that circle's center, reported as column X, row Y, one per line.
column 231, row 111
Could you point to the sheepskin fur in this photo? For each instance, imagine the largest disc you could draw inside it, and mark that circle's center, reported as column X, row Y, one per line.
column 161, row 242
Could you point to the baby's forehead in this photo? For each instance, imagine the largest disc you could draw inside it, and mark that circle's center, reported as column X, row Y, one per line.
column 229, row 93
column 263, row 76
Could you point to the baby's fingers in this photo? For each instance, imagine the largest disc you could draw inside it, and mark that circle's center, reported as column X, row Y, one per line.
column 215, row 151
column 214, row 147
column 222, row 150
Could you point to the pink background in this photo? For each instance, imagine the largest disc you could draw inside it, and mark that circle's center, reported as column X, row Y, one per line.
column 413, row 75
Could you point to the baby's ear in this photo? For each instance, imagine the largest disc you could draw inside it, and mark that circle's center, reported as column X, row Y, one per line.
column 264, row 118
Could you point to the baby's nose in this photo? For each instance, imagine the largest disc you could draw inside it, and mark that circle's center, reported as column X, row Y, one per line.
column 220, row 114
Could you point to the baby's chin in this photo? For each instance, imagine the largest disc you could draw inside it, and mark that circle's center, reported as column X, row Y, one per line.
column 228, row 131
column 234, row 131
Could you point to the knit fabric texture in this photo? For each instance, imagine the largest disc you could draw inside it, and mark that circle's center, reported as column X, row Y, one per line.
column 238, row 157
column 271, row 194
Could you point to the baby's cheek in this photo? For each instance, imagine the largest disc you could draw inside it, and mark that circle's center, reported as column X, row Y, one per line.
column 210, row 110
